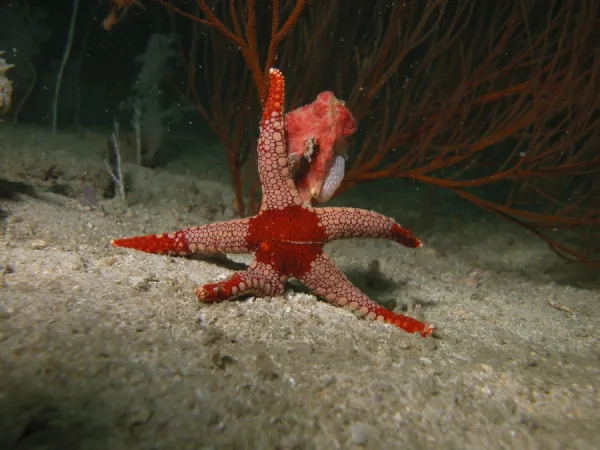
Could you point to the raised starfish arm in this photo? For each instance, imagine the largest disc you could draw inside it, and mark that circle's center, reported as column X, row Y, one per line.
column 278, row 186
column 260, row 279
column 329, row 282
column 219, row 237
column 342, row 223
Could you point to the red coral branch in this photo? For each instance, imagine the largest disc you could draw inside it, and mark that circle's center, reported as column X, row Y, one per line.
column 461, row 95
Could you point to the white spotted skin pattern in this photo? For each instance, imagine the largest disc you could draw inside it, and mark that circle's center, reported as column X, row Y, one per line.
column 343, row 223
column 260, row 279
column 326, row 280
column 278, row 186
column 220, row 237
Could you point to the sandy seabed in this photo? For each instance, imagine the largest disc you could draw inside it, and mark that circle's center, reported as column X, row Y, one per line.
column 104, row 348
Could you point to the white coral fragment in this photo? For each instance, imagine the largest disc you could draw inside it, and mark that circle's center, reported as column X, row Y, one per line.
column 5, row 85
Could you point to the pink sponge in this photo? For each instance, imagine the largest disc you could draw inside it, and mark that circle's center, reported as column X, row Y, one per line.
column 318, row 133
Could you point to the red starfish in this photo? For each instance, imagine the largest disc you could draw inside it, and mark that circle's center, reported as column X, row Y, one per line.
column 286, row 236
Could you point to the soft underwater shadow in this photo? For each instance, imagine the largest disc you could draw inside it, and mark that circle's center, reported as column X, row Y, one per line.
column 31, row 418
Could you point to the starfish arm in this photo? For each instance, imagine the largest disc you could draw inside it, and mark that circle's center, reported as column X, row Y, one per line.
column 219, row 237
column 278, row 186
column 342, row 223
column 260, row 279
column 328, row 281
